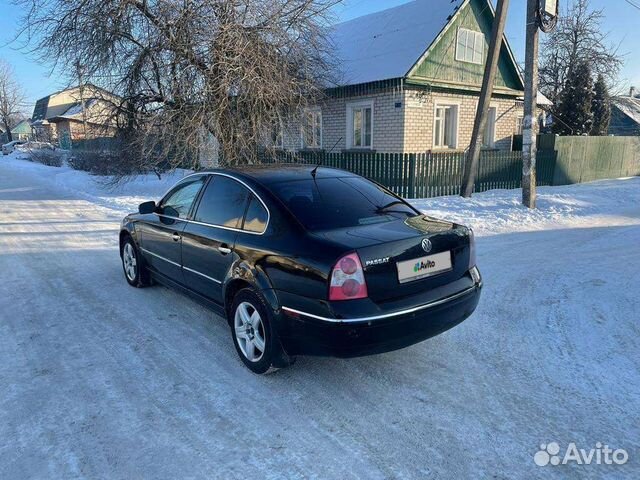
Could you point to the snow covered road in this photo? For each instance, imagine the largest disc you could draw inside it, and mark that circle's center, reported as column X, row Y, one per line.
column 100, row 380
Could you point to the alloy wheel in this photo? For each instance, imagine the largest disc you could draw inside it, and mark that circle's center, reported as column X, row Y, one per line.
column 250, row 333
column 130, row 262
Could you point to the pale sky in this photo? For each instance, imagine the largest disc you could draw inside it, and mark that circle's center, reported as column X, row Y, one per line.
column 622, row 21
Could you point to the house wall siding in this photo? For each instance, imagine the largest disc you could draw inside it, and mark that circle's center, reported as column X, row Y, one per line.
column 441, row 65
column 388, row 121
column 419, row 116
column 621, row 124
column 403, row 120
column 69, row 130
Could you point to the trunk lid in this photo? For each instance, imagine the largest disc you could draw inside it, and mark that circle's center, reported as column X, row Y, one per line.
column 383, row 246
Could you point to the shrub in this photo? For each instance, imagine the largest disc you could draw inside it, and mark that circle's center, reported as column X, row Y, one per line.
column 118, row 163
column 118, row 158
column 51, row 158
column 87, row 160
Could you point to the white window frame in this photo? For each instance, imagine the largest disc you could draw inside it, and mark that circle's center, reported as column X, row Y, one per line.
column 312, row 111
column 490, row 128
column 351, row 107
column 476, row 48
column 519, row 124
column 455, row 107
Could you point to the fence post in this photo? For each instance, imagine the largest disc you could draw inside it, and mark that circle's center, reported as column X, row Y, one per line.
column 412, row 175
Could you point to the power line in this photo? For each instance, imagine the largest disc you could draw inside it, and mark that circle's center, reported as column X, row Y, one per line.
column 633, row 4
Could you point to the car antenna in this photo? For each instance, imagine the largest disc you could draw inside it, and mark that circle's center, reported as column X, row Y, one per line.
column 313, row 172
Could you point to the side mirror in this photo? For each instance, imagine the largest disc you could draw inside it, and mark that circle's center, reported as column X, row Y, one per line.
column 147, row 208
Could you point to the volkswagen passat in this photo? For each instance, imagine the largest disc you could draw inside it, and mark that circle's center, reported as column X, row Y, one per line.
column 304, row 261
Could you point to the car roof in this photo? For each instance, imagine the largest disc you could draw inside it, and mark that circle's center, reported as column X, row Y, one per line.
column 269, row 174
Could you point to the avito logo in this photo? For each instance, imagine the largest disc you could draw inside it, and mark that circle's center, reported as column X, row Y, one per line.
column 419, row 266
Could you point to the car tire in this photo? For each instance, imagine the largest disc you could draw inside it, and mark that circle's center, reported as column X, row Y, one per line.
column 253, row 333
column 135, row 272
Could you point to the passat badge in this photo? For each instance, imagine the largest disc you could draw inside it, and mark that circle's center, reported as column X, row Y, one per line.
column 426, row 245
column 376, row 261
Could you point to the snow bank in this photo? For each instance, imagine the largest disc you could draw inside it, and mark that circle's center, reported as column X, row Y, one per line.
column 501, row 211
column 489, row 213
column 124, row 197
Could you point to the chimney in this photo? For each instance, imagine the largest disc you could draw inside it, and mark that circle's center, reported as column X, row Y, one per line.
column 632, row 92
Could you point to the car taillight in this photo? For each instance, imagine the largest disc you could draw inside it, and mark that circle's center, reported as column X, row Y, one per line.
column 347, row 279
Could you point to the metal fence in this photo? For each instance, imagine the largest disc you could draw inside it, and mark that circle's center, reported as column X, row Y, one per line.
column 584, row 159
column 422, row 175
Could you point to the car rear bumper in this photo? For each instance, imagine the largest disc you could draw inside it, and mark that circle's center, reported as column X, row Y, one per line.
column 310, row 334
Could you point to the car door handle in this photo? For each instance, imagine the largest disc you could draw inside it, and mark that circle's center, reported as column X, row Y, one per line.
column 176, row 237
column 224, row 249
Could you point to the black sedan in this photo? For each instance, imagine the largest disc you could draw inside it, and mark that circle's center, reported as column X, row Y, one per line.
column 304, row 261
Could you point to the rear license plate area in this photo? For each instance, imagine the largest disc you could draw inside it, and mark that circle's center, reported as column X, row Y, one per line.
column 424, row 267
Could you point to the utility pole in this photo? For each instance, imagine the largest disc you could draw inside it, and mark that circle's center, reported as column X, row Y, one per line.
column 543, row 15
column 530, row 121
column 479, row 126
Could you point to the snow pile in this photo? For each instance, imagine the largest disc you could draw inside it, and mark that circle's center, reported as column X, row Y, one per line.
column 124, row 197
column 501, row 211
column 489, row 213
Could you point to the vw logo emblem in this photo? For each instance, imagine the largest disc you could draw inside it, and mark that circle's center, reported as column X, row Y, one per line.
column 426, row 245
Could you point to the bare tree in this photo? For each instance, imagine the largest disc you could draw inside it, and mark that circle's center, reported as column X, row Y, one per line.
column 578, row 38
column 11, row 99
column 191, row 72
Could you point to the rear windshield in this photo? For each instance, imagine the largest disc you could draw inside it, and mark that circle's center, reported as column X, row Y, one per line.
column 330, row 203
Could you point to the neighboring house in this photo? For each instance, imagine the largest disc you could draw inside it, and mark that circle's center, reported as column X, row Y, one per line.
column 74, row 114
column 22, row 131
column 625, row 115
column 410, row 79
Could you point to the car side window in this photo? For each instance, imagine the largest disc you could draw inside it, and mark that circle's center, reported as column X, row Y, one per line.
column 223, row 202
column 178, row 202
column 256, row 218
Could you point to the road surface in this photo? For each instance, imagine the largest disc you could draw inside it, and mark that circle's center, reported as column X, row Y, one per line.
column 101, row 380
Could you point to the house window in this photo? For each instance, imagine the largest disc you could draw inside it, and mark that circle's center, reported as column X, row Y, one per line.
column 519, row 122
column 360, row 125
column 312, row 129
column 445, row 126
column 489, row 139
column 470, row 46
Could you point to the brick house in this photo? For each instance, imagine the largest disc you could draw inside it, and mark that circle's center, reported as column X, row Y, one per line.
column 409, row 81
column 74, row 114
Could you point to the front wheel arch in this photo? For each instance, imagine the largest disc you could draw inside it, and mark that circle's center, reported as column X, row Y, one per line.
column 124, row 234
column 144, row 276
